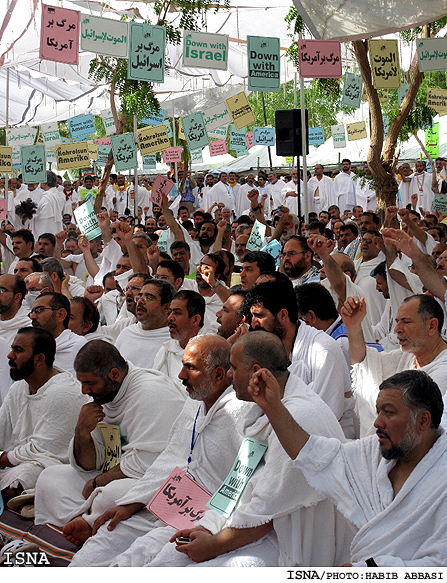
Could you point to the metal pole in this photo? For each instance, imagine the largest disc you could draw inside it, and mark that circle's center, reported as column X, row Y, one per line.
column 174, row 139
column 7, row 126
column 135, row 190
column 265, row 121
column 304, row 148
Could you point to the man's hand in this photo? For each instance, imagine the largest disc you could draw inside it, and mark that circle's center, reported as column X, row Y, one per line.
column 60, row 238
column 401, row 240
column 320, row 245
column 116, row 515
column 353, row 311
column 202, row 546
column 93, row 292
column 87, row 489
column 264, row 389
column 103, row 220
column 241, row 330
column 153, row 255
column 208, row 274
column 252, row 196
column 124, row 230
column 91, row 414
column 222, row 227
column 414, row 200
column 83, row 244
column 404, row 214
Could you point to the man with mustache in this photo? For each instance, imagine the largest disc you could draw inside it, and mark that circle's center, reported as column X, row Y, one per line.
column 296, row 261
column 391, row 487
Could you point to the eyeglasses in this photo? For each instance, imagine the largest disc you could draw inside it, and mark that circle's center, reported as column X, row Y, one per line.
column 40, row 309
column 146, row 298
column 291, row 254
column 132, row 288
column 3, row 290
column 367, row 241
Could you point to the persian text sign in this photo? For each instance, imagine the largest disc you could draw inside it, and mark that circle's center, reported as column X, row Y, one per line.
column 195, row 131
column 436, row 99
column 124, row 152
column 256, row 239
column 205, row 51
column 384, row 59
column 152, row 139
column 72, row 156
column 338, row 136
column 263, row 63
column 356, row 131
column 59, row 35
column 180, row 502
column 432, row 54
column 352, row 90
column 33, row 164
column 264, row 136
column 147, row 53
column 240, row 110
column 432, row 140
column 6, row 159
column 320, row 58
column 24, row 136
column 440, row 204
column 161, row 186
column 104, row 36
column 216, row 116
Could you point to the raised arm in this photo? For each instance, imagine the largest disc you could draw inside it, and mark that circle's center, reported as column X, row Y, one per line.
column 322, row 247
column 90, row 263
column 412, row 229
column 138, row 261
column 171, row 222
column 353, row 313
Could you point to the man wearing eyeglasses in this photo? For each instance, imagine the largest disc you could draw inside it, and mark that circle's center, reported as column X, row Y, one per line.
column 13, row 313
column 296, row 261
column 51, row 311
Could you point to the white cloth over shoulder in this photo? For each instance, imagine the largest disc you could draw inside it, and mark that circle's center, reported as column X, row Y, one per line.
column 9, row 328
column 407, row 530
column 140, row 346
column 68, row 344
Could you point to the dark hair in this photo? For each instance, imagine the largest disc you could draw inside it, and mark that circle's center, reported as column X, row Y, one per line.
column 19, row 287
column 37, row 268
column 51, row 179
column 346, row 160
column 380, row 269
column 24, row 234
column 174, row 267
column 49, row 236
column 165, row 289
column 314, row 296
column 195, row 304
column 428, row 308
column 99, row 357
column 350, row 227
column 317, row 225
column 59, row 302
column 374, row 217
column 90, row 312
column 274, row 296
column 43, row 342
column 180, row 245
column 264, row 260
column 420, row 393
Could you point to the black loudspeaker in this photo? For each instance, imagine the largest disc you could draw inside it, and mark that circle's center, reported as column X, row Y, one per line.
column 288, row 132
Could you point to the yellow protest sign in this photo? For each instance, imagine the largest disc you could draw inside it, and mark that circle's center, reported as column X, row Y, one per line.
column 73, row 155
column 181, row 133
column 152, row 139
column 240, row 110
column 93, row 151
column 356, row 131
column 437, row 99
column 385, row 67
column 6, row 159
column 112, row 442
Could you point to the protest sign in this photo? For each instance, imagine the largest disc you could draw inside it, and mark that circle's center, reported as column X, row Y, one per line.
column 149, row 162
column 401, row 92
column 172, row 155
column 264, row 136
column 384, row 59
column 240, row 110
column 196, row 156
column 316, row 136
column 219, row 133
column 432, row 54
column 50, row 133
column 218, row 148
column 356, row 131
column 23, row 136
column 73, row 155
column 109, row 121
column 320, row 59
column 338, row 136
column 256, row 239
column 195, row 131
column 33, row 162
column 216, row 116
column 263, row 56
column 6, row 159
column 146, row 60
column 124, row 152
column 437, row 99
column 203, row 50
column 160, row 186
column 440, row 204
column 59, row 35
column 81, row 126
column 104, row 36
column 152, row 139
column 154, row 119
column 87, row 220
column 352, row 90
column 432, row 140
column 238, row 139
column 249, row 138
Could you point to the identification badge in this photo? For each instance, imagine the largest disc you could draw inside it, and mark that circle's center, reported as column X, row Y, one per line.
column 250, row 454
column 112, row 442
column 180, row 502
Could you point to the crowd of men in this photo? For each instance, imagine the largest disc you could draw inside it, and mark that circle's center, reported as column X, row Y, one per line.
column 176, row 338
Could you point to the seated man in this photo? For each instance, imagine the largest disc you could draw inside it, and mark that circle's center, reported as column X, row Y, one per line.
column 13, row 309
column 39, row 413
column 130, row 536
column 391, row 487
column 418, row 327
column 140, row 406
column 287, row 522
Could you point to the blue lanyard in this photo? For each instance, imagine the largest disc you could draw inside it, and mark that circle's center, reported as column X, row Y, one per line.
column 193, row 437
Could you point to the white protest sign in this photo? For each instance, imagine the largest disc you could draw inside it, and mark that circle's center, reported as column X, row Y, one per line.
column 256, row 239
column 104, row 36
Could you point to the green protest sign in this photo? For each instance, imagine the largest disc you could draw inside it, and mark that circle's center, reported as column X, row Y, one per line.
column 195, row 132
column 147, row 53
column 205, row 51
column 432, row 140
column 33, row 161
column 263, row 63
column 352, row 90
column 124, row 152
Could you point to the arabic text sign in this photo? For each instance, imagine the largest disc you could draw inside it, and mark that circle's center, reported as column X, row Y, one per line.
column 432, row 54
column 338, row 136
column 273, row 248
column 154, row 119
column 216, row 116
column 238, row 138
column 437, row 99
column 218, row 148
column 160, row 186
column 108, row 120
column 81, row 126
column 240, row 110
column 432, row 140
column 59, row 35
column 152, row 139
column 24, row 136
column 263, row 63
column 162, row 242
column 316, row 136
column 147, row 53
column 104, row 36
column 256, row 239
column 74, row 155
column 384, row 59
column 87, row 221
column 50, row 133
column 195, row 131
column 440, row 204
column 320, row 59
column 248, row 457
column 180, row 502
column 196, row 157
column 33, row 164
column 172, row 155
column 124, row 152
column 264, row 136
column 110, row 435
column 356, row 131
column 205, row 51
column 6, row 159
column 352, row 90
